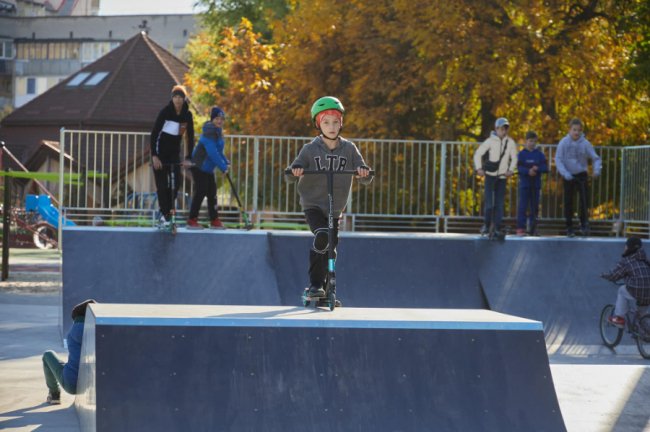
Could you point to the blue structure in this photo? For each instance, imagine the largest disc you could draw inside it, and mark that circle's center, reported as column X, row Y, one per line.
column 43, row 205
column 266, row 368
column 552, row 280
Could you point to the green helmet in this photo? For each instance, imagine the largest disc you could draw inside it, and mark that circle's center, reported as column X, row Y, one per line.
column 325, row 103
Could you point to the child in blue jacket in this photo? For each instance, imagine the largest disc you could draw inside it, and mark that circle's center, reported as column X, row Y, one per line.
column 61, row 373
column 208, row 155
column 531, row 163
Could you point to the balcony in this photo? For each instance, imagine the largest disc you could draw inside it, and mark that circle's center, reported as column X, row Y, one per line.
column 6, row 66
column 46, row 67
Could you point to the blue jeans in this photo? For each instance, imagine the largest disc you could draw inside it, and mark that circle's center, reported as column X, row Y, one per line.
column 495, row 191
column 528, row 206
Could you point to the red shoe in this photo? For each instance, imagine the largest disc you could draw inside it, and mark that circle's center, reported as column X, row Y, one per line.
column 521, row 232
column 616, row 320
column 216, row 224
column 193, row 224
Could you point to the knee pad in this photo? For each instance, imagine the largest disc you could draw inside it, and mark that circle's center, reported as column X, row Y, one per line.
column 321, row 241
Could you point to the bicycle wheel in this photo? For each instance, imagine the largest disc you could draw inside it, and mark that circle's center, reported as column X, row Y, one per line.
column 44, row 236
column 643, row 336
column 610, row 334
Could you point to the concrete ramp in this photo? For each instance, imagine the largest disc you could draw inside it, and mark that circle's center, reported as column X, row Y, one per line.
column 261, row 368
column 138, row 265
column 385, row 270
column 553, row 280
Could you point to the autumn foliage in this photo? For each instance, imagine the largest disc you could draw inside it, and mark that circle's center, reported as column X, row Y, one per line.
column 431, row 69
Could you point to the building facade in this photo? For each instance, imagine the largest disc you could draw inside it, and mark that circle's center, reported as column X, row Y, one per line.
column 39, row 51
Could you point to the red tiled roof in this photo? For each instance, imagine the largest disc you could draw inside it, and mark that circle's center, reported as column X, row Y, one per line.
column 140, row 76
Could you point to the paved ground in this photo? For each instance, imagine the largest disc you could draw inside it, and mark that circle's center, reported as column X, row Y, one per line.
column 598, row 392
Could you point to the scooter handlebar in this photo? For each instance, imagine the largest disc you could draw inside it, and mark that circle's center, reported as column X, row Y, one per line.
column 348, row 172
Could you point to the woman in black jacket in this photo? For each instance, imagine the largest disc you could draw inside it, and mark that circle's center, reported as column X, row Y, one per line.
column 174, row 121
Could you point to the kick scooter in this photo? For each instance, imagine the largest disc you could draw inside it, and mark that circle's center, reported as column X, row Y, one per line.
column 329, row 300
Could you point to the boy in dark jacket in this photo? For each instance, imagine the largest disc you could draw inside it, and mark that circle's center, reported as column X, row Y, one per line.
column 56, row 371
column 634, row 270
column 174, row 121
column 328, row 151
column 531, row 163
column 208, row 155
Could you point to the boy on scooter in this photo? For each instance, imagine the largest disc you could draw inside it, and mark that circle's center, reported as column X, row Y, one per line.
column 634, row 270
column 208, row 155
column 328, row 151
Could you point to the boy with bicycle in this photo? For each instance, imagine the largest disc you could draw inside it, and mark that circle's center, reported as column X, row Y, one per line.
column 328, row 151
column 634, row 270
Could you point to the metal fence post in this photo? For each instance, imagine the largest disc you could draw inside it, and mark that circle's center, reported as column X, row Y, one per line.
column 256, row 176
column 443, row 168
column 621, row 208
column 61, row 176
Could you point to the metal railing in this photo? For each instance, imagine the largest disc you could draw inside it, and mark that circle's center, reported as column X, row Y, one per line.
column 428, row 185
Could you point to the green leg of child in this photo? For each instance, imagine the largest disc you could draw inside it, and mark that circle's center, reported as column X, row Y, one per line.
column 53, row 369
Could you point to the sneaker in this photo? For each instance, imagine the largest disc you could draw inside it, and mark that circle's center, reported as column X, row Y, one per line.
column 193, row 223
column 216, row 224
column 163, row 223
column 484, row 230
column 617, row 321
column 54, row 398
column 521, row 232
column 570, row 232
column 316, row 291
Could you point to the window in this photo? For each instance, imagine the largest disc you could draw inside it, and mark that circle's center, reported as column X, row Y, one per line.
column 6, row 49
column 78, row 79
column 96, row 79
column 31, row 86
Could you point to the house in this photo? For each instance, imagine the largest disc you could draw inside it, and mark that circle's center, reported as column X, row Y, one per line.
column 123, row 91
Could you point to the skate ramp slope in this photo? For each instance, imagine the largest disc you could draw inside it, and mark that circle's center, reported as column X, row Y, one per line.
column 553, row 280
column 270, row 368
column 144, row 265
column 233, row 267
column 385, row 270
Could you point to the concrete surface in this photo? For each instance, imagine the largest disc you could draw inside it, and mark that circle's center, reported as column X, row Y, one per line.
column 597, row 391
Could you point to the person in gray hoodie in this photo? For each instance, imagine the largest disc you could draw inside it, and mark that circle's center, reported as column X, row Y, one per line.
column 571, row 158
column 328, row 151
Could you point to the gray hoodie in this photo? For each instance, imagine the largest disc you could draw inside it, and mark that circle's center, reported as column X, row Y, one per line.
column 572, row 157
column 313, row 188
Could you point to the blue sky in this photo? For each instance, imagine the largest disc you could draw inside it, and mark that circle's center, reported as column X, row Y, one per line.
column 143, row 7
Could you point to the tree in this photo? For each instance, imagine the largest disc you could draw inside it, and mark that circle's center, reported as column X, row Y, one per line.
column 434, row 69
column 235, row 71
column 220, row 14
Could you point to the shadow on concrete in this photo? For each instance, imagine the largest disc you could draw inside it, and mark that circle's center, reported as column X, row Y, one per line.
column 39, row 419
column 635, row 415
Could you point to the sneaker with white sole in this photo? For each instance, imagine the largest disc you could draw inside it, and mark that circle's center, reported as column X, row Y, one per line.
column 54, row 398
